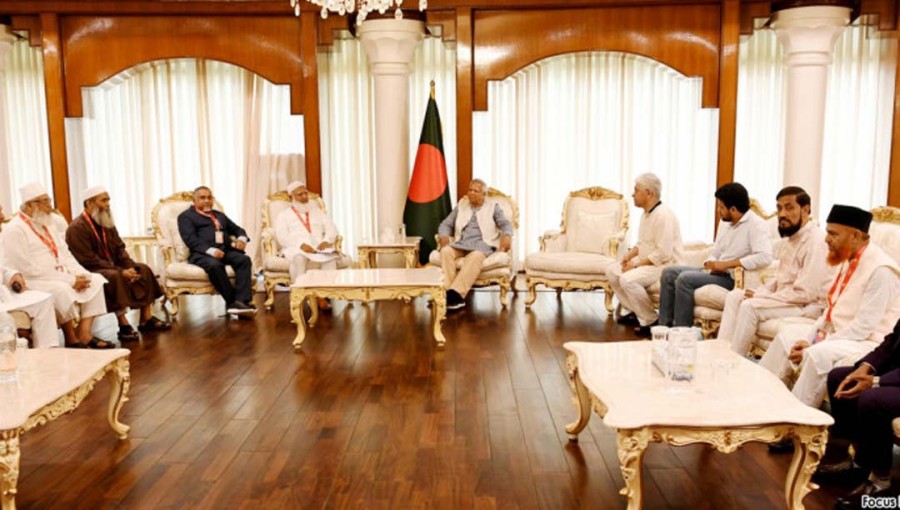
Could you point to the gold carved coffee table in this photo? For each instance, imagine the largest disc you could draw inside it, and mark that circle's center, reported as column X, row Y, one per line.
column 367, row 285
column 748, row 403
column 54, row 382
column 409, row 248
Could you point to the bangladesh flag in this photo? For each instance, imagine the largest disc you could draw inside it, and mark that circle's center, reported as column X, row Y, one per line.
column 428, row 201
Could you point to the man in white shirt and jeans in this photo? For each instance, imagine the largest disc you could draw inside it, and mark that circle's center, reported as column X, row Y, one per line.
column 742, row 240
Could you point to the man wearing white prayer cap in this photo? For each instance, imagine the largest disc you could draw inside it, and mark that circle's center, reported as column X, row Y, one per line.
column 31, row 247
column 15, row 296
column 306, row 235
column 95, row 242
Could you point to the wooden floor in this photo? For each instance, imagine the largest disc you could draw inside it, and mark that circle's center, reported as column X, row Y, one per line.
column 370, row 414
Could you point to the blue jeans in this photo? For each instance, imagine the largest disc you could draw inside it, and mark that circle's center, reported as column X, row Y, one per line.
column 676, row 294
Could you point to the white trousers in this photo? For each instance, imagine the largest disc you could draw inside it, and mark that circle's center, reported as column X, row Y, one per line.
column 742, row 317
column 299, row 265
column 817, row 361
column 631, row 289
column 39, row 307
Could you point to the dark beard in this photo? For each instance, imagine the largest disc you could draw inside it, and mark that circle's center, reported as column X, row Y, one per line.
column 788, row 231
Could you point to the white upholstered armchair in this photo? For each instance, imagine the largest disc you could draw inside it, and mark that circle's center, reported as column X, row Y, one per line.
column 276, row 268
column 179, row 276
column 591, row 237
column 498, row 267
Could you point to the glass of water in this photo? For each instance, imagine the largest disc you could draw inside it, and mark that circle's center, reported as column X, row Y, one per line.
column 8, row 365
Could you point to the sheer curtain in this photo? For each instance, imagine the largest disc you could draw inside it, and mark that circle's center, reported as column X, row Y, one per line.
column 597, row 119
column 172, row 125
column 24, row 125
column 346, row 109
column 858, row 120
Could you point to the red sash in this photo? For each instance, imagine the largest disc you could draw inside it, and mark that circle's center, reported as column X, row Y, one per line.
column 305, row 222
column 103, row 243
column 48, row 240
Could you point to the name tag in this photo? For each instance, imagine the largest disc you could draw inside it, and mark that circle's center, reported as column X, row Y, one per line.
column 220, row 237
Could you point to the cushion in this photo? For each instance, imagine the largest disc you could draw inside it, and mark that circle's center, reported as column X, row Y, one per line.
column 770, row 328
column 590, row 232
column 190, row 272
column 569, row 262
column 702, row 312
column 711, row 296
column 887, row 237
column 168, row 228
column 279, row 264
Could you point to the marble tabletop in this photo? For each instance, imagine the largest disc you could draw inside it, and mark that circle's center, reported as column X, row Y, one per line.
column 409, row 242
column 47, row 375
column 389, row 277
column 728, row 391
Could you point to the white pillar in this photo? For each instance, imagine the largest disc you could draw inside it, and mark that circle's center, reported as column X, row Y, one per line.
column 6, row 198
column 807, row 35
column 390, row 46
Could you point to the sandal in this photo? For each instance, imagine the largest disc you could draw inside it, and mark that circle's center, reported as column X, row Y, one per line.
column 154, row 324
column 128, row 335
column 99, row 343
column 76, row 346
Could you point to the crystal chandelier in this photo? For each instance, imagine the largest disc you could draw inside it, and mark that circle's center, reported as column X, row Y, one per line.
column 363, row 7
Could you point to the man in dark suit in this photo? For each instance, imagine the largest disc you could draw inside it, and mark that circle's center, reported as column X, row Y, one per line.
column 215, row 242
column 865, row 399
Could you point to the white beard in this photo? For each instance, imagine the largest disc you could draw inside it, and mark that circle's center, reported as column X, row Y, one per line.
column 104, row 219
column 42, row 219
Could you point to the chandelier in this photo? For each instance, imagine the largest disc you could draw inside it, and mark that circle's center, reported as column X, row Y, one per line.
column 362, row 7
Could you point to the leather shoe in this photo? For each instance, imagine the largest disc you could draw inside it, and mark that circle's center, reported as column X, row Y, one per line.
column 644, row 331
column 853, row 500
column 785, row 445
column 628, row 320
column 454, row 300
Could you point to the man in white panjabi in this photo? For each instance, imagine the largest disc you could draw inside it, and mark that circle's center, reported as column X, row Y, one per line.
column 658, row 246
column 800, row 282
column 30, row 246
column 15, row 296
column 306, row 235
column 863, row 304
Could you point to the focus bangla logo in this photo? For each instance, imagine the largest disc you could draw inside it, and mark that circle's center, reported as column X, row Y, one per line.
column 880, row 501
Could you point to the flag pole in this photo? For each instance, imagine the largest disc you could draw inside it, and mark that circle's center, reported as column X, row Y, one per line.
column 432, row 89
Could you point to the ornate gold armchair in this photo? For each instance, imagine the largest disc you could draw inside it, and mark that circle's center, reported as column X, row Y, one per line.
column 498, row 267
column 276, row 268
column 591, row 237
column 179, row 276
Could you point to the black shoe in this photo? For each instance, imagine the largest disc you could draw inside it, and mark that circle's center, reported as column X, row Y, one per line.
column 644, row 331
column 853, row 500
column 240, row 308
column 249, row 305
column 628, row 320
column 842, row 475
column 785, row 445
column 454, row 300
column 128, row 334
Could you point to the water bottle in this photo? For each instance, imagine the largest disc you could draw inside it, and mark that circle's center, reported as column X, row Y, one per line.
column 8, row 365
column 22, row 354
column 681, row 359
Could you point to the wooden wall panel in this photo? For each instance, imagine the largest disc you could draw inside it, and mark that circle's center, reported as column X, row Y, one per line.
column 685, row 38
column 56, row 105
column 728, row 87
column 894, row 179
column 268, row 46
column 311, row 101
column 464, row 100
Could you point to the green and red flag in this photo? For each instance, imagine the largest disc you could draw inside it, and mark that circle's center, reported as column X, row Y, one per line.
column 428, row 200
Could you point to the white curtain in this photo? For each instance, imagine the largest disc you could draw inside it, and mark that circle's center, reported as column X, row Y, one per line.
column 26, row 157
column 346, row 109
column 597, row 119
column 172, row 125
column 858, row 119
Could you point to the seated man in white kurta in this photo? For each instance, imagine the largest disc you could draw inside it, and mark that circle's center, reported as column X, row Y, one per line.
column 306, row 235
column 29, row 246
column 658, row 246
column 15, row 296
column 863, row 304
column 801, row 279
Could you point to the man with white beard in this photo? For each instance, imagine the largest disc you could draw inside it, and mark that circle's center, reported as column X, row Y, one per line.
column 15, row 296
column 29, row 246
column 306, row 235
column 95, row 242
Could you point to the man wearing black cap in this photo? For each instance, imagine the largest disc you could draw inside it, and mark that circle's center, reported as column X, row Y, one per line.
column 863, row 303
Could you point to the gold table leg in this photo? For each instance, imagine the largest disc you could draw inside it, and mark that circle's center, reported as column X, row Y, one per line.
column 583, row 401
column 631, row 445
column 440, row 312
column 119, row 383
column 809, row 446
column 9, row 468
column 298, row 296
